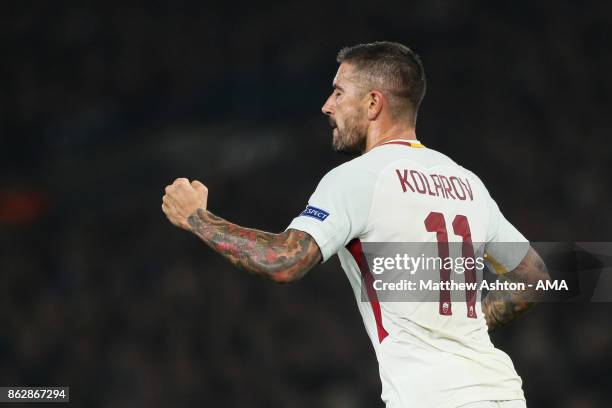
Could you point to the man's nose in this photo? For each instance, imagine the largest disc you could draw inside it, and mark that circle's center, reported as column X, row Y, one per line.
column 327, row 107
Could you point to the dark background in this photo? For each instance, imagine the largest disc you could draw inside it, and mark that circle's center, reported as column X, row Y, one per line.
column 103, row 105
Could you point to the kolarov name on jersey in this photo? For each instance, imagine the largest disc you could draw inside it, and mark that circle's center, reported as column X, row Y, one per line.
column 450, row 187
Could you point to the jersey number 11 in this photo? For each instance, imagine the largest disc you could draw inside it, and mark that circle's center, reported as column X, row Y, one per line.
column 435, row 223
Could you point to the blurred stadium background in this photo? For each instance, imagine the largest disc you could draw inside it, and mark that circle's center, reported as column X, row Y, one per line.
column 103, row 105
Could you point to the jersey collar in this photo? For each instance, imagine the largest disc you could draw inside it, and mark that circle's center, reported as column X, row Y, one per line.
column 409, row 143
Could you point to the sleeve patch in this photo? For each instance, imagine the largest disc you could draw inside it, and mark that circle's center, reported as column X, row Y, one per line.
column 315, row 212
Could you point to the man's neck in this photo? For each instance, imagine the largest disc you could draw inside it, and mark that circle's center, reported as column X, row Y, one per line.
column 393, row 133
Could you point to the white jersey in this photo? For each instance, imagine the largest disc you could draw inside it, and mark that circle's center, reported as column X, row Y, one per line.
column 428, row 356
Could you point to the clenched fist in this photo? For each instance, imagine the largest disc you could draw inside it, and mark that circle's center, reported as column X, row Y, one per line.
column 183, row 199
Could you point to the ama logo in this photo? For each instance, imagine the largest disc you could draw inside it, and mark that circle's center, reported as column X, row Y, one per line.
column 315, row 212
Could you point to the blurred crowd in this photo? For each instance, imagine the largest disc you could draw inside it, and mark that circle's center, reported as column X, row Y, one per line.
column 104, row 105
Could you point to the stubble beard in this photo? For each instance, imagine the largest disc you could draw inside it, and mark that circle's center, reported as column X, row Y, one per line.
column 350, row 139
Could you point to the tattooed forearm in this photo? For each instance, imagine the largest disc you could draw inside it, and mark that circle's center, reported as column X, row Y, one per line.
column 502, row 306
column 281, row 257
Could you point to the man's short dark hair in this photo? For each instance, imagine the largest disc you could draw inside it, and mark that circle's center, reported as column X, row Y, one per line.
column 390, row 67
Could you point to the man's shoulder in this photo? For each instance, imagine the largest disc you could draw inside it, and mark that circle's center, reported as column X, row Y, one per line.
column 357, row 166
column 351, row 178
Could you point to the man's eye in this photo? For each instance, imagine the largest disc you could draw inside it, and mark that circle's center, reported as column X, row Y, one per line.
column 337, row 94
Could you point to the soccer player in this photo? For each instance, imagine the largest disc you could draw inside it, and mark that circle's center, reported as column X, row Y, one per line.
column 396, row 190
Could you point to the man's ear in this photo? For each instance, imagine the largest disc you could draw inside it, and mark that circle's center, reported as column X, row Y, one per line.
column 376, row 100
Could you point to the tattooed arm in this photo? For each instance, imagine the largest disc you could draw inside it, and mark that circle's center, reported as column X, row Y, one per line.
column 502, row 306
column 282, row 257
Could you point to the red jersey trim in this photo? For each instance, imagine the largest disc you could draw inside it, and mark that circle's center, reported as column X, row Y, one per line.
column 354, row 247
column 405, row 143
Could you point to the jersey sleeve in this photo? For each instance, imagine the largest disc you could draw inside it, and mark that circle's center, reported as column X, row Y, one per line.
column 505, row 246
column 337, row 211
